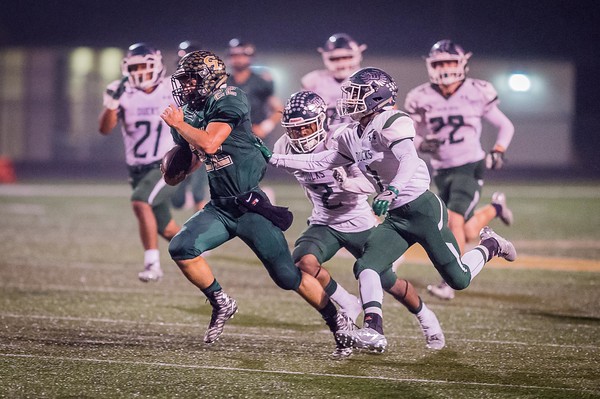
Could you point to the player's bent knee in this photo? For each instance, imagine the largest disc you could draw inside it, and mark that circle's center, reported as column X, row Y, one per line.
column 181, row 247
column 289, row 281
column 457, row 283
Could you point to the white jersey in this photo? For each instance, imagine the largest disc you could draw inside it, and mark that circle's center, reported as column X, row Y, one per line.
column 341, row 210
column 325, row 85
column 455, row 121
column 372, row 150
column 145, row 135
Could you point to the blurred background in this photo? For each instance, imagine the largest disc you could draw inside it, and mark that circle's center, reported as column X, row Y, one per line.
column 56, row 58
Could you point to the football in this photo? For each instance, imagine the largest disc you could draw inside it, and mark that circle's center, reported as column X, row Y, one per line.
column 176, row 163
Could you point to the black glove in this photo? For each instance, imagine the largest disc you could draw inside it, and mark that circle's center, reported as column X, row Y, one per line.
column 255, row 202
column 430, row 145
column 494, row 159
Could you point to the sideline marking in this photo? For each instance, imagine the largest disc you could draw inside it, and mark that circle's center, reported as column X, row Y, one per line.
column 285, row 372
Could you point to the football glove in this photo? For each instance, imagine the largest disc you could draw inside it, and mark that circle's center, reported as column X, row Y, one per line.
column 264, row 150
column 111, row 97
column 340, row 175
column 382, row 201
column 430, row 145
column 494, row 160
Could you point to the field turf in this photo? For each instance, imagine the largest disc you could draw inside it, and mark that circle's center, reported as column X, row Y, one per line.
column 76, row 322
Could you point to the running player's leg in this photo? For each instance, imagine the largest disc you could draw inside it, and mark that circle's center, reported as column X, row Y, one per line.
column 272, row 249
column 383, row 246
column 203, row 231
column 315, row 246
column 150, row 202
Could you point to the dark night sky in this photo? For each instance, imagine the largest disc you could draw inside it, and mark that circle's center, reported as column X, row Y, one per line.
column 568, row 30
column 565, row 29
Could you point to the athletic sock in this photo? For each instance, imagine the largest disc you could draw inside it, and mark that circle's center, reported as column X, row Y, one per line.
column 374, row 321
column 498, row 208
column 212, row 289
column 151, row 256
column 329, row 313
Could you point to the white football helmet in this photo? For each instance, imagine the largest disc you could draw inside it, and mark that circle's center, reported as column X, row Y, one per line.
column 367, row 91
column 305, row 121
column 143, row 66
column 342, row 55
column 446, row 50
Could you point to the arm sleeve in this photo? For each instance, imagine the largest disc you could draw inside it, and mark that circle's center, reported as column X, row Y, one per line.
column 406, row 154
column 310, row 162
column 505, row 127
column 356, row 182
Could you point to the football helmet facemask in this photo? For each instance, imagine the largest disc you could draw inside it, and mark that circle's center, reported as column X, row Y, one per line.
column 305, row 121
column 366, row 91
column 198, row 75
column 143, row 66
column 342, row 55
column 442, row 73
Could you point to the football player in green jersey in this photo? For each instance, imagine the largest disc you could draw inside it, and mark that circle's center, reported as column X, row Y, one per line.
column 215, row 123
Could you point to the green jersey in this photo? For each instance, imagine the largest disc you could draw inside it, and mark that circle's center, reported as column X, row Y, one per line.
column 238, row 165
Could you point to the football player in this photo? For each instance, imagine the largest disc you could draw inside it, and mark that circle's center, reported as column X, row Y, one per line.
column 380, row 143
column 137, row 101
column 258, row 85
column 447, row 112
column 342, row 56
column 341, row 216
column 215, row 123
column 195, row 185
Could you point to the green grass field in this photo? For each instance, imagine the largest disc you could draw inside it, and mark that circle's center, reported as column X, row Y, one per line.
column 76, row 322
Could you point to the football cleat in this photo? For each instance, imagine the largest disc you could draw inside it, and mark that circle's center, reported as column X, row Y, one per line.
column 441, row 291
column 506, row 215
column 151, row 272
column 341, row 353
column 343, row 322
column 506, row 249
column 224, row 307
column 434, row 336
column 362, row 338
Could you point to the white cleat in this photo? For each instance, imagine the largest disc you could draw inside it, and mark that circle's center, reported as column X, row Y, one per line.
column 506, row 249
column 441, row 291
column 434, row 336
column 151, row 272
column 362, row 338
column 506, row 215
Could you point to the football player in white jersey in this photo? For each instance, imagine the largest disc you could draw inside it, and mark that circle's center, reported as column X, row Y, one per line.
column 341, row 216
column 342, row 56
column 447, row 112
column 380, row 143
column 137, row 101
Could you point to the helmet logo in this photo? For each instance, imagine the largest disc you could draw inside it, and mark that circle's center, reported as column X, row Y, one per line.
column 212, row 62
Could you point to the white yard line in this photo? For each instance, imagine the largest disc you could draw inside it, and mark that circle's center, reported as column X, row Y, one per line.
column 286, row 372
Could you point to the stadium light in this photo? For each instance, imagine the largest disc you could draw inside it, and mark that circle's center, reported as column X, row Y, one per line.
column 519, row 82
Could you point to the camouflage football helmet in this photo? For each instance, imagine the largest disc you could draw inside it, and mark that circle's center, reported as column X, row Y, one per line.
column 198, row 75
column 305, row 120
column 366, row 91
